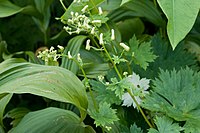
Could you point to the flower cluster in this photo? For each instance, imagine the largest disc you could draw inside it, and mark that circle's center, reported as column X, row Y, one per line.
column 49, row 55
column 139, row 90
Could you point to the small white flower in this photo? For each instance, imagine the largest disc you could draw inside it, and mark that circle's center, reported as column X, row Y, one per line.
column 123, row 45
column 101, row 39
column 112, row 34
column 100, row 77
column 93, row 30
column 72, row 13
column 69, row 55
column 87, row 44
column 100, row 11
column 76, row 14
column 84, row 8
column 139, row 91
column 60, row 47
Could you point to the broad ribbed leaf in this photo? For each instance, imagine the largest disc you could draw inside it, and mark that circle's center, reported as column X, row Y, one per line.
column 181, row 15
column 52, row 120
column 8, row 9
column 138, row 8
column 74, row 47
column 51, row 82
column 4, row 99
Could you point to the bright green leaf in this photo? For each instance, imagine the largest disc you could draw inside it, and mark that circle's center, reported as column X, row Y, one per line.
column 51, row 82
column 141, row 53
column 104, row 116
column 181, row 15
column 52, row 120
column 8, row 9
column 124, row 1
column 135, row 129
column 165, row 125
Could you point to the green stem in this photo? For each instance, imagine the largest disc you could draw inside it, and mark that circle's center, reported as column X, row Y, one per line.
column 140, row 109
column 63, row 5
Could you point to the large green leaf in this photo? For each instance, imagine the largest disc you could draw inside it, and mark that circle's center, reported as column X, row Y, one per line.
column 181, row 15
column 137, row 8
column 4, row 99
column 73, row 46
column 51, row 82
column 176, row 94
column 8, row 9
column 52, row 120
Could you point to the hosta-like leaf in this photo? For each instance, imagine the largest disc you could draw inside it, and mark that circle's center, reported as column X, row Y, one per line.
column 181, row 16
column 74, row 47
column 176, row 94
column 52, row 120
column 8, row 9
column 4, row 99
column 17, row 76
column 141, row 53
column 165, row 125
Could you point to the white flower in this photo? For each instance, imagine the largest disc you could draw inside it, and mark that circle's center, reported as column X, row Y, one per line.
column 60, row 47
column 84, row 8
column 100, row 11
column 69, row 55
column 112, row 34
column 123, row 45
column 101, row 39
column 87, row 44
column 96, row 21
column 93, row 30
column 139, row 91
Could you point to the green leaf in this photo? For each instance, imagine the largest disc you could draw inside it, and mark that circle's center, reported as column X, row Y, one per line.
column 124, row 1
column 16, row 114
column 176, row 94
column 181, row 16
column 52, row 120
column 103, row 94
column 137, row 8
column 8, row 8
column 4, row 99
column 104, row 116
column 165, row 125
column 142, row 53
column 135, row 129
column 51, row 82
column 73, row 46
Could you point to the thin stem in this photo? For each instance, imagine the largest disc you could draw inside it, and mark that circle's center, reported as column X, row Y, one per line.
column 155, row 3
column 94, row 5
column 63, row 5
column 141, row 111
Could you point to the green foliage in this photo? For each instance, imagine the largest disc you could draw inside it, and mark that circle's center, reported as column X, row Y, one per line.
column 141, row 53
column 165, row 125
column 104, row 116
column 51, row 82
column 176, row 95
column 135, row 129
column 52, row 120
column 181, row 16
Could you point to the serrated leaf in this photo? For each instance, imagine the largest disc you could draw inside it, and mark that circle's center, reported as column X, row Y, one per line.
column 52, row 120
column 135, row 129
column 181, row 16
column 103, row 94
column 18, row 76
column 142, row 53
column 104, row 116
column 165, row 125
column 176, row 95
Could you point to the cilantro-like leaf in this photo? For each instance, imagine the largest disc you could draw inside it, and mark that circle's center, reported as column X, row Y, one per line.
column 103, row 94
column 165, row 125
column 142, row 53
column 176, row 94
column 104, row 116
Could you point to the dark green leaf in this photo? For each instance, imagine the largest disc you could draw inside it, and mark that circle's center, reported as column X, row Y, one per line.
column 52, row 120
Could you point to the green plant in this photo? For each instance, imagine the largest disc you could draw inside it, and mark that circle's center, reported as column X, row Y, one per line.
column 108, row 78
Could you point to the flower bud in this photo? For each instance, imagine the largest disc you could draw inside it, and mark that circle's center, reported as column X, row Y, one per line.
column 101, row 39
column 123, row 45
column 112, row 34
column 100, row 11
column 87, row 45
